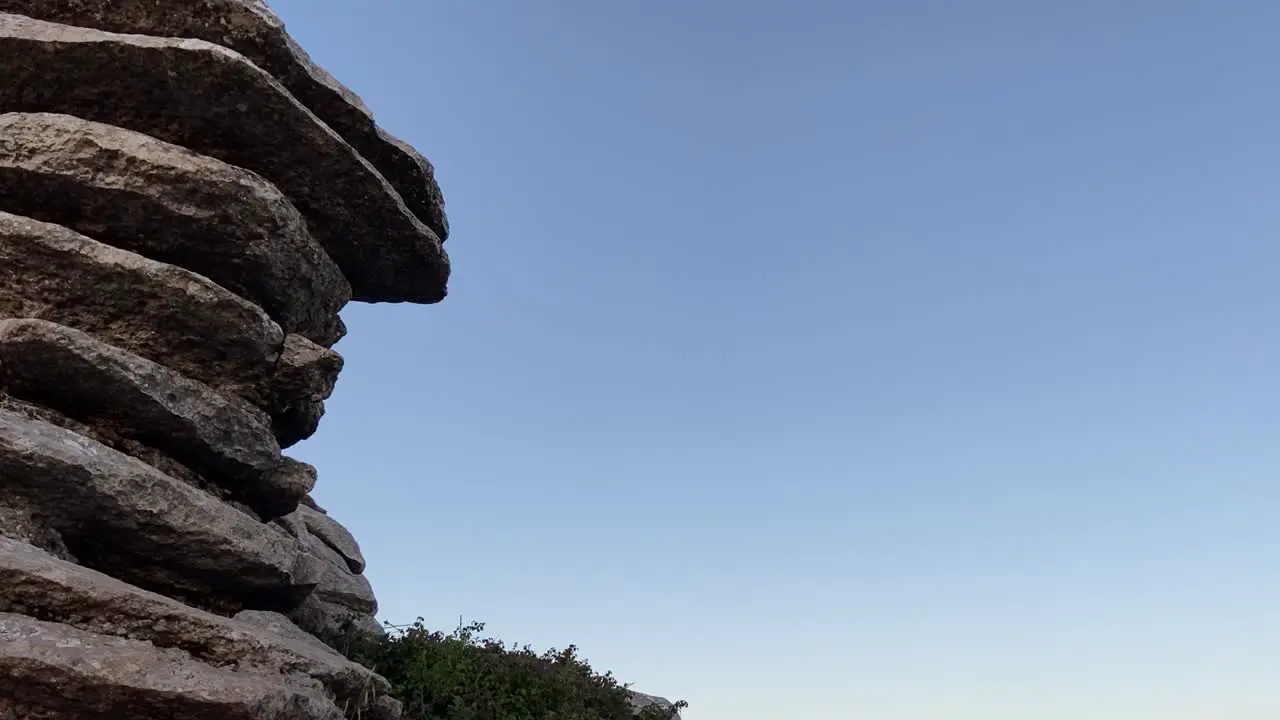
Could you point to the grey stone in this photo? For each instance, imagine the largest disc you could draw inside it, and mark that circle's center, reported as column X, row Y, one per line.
column 339, row 585
column 318, row 616
column 132, row 448
column 277, row 624
column 123, row 517
column 304, row 378
column 18, row 522
column 165, row 314
column 640, row 701
column 333, row 534
column 293, row 479
column 57, row 671
column 292, row 524
column 35, row 583
column 306, row 371
column 218, row 103
column 386, row 707
column 339, row 596
column 155, row 310
column 170, row 204
column 341, row 592
column 252, row 29
column 223, row 438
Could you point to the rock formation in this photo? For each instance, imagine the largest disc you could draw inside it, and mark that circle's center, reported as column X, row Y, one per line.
column 186, row 203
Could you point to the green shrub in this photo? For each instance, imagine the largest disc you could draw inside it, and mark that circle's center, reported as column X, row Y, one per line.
column 460, row 676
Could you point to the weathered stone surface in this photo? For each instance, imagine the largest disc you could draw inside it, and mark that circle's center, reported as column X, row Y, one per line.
column 292, row 524
column 318, row 616
column 124, row 517
column 56, row 671
column 333, row 534
column 303, row 379
column 158, row 311
column 19, row 523
column 169, row 204
column 221, row 437
column 132, row 448
column 252, row 29
column 293, row 480
column 340, row 595
column 165, row 314
column 306, row 371
column 35, row 583
column 640, row 701
column 380, row 707
column 219, row 104
column 339, row 585
column 183, row 211
column 277, row 624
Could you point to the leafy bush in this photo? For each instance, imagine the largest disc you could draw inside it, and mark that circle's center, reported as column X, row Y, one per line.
column 460, row 676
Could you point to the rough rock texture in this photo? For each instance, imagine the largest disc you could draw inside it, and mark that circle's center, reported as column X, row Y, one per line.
column 304, row 377
column 170, row 204
column 338, row 585
column 228, row 108
column 120, row 515
column 252, row 29
column 333, row 534
column 35, row 583
column 183, row 212
column 52, row 670
column 221, row 437
column 158, row 311
column 165, row 314
column 342, row 593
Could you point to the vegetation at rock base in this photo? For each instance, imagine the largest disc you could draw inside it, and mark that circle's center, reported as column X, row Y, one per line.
column 462, row 676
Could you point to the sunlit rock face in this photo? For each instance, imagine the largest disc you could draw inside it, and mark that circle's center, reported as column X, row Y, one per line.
column 186, row 203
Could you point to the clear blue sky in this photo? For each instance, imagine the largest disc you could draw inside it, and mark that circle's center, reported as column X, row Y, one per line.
column 894, row 360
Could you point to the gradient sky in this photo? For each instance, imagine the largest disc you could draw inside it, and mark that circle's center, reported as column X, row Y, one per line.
column 888, row 360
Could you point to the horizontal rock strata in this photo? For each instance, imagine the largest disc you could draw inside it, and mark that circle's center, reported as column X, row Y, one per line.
column 186, row 203
column 227, row 108
column 333, row 534
column 220, row 437
column 168, row 315
column 158, row 311
column 35, row 583
column 53, row 670
column 124, row 517
column 170, row 204
column 252, row 29
column 342, row 594
column 338, row 585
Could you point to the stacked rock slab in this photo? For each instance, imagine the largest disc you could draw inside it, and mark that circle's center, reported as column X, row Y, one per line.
column 186, row 203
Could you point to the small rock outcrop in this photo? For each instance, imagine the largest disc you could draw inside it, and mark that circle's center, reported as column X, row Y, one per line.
column 186, row 204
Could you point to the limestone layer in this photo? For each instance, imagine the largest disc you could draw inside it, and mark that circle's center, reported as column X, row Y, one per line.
column 186, row 204
column 227, row 108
